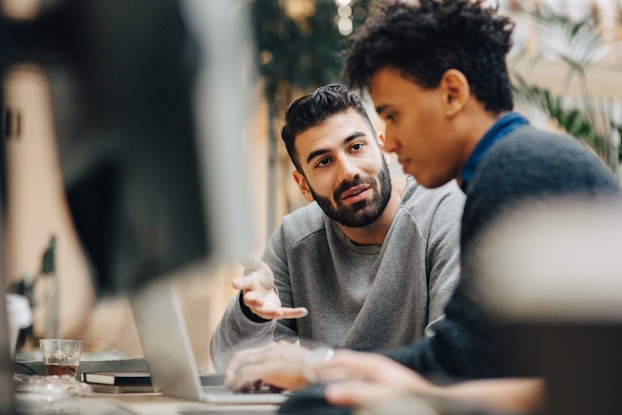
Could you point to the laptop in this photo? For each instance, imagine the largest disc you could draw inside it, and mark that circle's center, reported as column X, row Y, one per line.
column 166, row 346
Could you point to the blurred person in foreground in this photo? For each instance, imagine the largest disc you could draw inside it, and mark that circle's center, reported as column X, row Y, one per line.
column 373, row 259
column 436, row 73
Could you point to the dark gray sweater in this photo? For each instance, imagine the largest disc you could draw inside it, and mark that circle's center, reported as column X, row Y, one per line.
column 526, row 164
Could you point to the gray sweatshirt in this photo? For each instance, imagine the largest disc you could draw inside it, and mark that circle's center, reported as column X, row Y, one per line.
column 366, row 296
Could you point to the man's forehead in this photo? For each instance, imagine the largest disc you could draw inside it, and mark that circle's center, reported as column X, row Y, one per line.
column 335, row 128
column 385, row 81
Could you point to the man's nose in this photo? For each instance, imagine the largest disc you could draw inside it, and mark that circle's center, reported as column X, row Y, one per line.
column 348, row 169
column 391, row 144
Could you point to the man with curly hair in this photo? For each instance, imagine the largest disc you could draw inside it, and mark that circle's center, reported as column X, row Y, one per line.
column 436, row 73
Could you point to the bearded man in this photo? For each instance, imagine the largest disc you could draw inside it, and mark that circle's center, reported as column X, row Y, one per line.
column 369, row 262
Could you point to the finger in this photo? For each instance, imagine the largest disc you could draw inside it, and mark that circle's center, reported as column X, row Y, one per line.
column 276, row 364
column 247, row 374
column 235, row 363
column 274, row 371
column 253, row 299
column 246, row 282
column 294, row 312
column 268, row 313
column 258, row 307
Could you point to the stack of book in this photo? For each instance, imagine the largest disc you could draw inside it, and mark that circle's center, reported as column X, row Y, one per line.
column 135, row 382
column 118, row 382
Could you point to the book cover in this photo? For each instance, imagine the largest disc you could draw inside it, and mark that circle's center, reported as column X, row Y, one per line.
column 101, row 388
column 140, row 378
column 117, row 378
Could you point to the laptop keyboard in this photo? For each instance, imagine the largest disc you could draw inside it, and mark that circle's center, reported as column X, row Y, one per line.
column 226, row 412
column 222, row 390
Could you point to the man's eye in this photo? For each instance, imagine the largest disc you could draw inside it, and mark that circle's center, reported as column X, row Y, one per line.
column 389, row 117
column 357, row 146
column 322, row 162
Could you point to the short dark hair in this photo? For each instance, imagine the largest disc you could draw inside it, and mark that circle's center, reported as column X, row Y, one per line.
column 422, row 40
column 313, row 109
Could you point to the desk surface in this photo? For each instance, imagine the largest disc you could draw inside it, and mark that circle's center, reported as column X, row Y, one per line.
column 138, row 404
column 121, row 404
column 155, row 404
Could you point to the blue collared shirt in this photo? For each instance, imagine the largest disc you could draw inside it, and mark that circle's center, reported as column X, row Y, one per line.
column 500, row 129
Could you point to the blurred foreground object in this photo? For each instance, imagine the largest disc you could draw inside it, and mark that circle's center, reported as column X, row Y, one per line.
column 19, row 318
column 149, row 108
column 553, row 270
column 135, row 105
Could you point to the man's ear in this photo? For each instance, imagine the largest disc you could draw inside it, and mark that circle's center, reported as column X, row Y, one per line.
column 301, row 181
column 456, row 90
column 381, row 139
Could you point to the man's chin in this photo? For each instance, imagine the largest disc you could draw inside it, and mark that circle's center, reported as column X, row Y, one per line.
column 429, row 181
column 358, row 220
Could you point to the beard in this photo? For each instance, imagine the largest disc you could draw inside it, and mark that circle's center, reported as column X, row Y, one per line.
column 361, row 213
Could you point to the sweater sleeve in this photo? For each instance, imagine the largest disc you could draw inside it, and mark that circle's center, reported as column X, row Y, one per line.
column 442, row 256
column 235, row 332
column 464, row 345
column 275, row 256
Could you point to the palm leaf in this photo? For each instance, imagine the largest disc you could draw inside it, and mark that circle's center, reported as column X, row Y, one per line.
column 594, row 128
column 579, row 44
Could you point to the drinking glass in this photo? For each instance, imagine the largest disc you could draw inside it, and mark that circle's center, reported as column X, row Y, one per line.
column 61, row 356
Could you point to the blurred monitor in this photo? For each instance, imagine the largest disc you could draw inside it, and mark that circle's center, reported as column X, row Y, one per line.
column 149, row 107
column 149, row 102
column 553, row 270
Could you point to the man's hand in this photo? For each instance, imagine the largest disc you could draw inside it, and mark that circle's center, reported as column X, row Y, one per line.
column 358, row 378
column 257, row 286
column 278, row 364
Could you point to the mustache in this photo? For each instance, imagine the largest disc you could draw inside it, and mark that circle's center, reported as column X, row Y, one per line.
column 345, row 186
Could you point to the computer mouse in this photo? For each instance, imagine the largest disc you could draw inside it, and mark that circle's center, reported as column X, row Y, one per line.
column 311, row 401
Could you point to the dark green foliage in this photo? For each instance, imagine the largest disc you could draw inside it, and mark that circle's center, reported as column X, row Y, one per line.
column 303, row 54
column 571, row 120
column 295, row 57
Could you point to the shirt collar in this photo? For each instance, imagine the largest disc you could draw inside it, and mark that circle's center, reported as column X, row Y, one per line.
column 501, row 128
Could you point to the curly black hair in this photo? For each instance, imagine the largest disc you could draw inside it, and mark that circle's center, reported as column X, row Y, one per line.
column 312, row 109
column 424, row 39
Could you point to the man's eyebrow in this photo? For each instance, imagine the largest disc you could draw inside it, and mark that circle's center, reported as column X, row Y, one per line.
column 315, row 154
column 319, row 152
